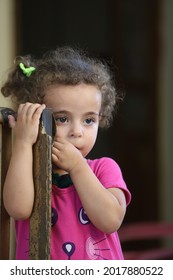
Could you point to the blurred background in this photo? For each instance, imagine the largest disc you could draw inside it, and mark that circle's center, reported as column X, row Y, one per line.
column 136, row 38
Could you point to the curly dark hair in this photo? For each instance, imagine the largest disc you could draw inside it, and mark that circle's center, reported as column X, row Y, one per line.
column 62, row 66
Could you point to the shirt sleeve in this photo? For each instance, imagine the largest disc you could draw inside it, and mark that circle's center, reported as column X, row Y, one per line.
column 109, row 174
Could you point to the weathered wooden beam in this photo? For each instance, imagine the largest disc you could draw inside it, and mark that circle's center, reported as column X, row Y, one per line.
column 40, row 221
column 6, row 148
column 4, row 113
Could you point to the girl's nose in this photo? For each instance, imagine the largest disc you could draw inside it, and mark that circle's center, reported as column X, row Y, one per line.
column 76, row 131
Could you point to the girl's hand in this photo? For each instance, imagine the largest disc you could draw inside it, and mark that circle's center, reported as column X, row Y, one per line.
column 27, row 124
column 65, row 155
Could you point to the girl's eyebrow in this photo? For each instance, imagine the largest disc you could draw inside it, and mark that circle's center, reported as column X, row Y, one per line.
column 67, row 112
column 91, row 113
column 61, row 112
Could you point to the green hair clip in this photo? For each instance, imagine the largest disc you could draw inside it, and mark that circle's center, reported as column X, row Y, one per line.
column 26, row 70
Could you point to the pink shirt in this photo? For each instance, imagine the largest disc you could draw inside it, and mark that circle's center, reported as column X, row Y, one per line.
column 73, row 236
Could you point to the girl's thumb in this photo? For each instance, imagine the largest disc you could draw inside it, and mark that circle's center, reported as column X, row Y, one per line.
column 12, row 121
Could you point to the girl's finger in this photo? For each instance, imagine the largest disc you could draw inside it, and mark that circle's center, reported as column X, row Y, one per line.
column 58, row 145
column 55, row 151
column 33, row 109
column 23, row 107
column 38, row 111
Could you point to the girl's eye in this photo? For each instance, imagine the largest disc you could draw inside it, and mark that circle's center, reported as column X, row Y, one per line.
column 88, row 121
column 61, row 119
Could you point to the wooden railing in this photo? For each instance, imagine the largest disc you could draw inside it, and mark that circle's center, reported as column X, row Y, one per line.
column 40, row 220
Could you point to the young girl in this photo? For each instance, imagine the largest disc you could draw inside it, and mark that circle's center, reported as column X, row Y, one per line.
column 89, row 197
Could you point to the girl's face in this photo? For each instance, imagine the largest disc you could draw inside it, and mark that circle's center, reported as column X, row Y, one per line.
column 76, row 110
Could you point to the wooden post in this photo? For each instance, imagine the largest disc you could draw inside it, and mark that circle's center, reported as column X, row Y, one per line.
column 40, row 221
column 6, row 149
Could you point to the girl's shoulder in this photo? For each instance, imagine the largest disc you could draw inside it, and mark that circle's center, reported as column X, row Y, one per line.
column 109, row 174
column 103, row 163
